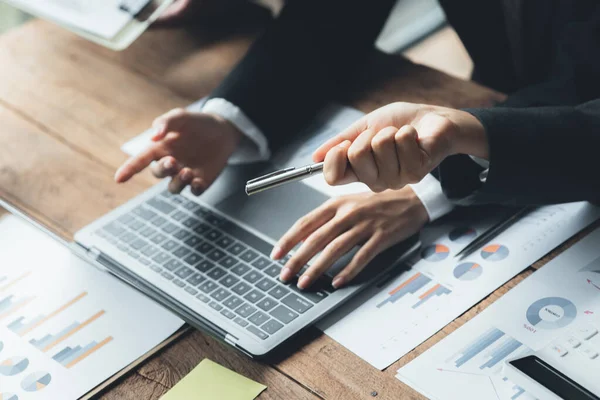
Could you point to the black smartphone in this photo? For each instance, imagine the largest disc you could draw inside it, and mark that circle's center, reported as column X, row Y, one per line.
column 550, row 378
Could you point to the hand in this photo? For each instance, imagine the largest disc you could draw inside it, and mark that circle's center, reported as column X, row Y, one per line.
column 375, row 221
column 192, row 148
column 399, row 144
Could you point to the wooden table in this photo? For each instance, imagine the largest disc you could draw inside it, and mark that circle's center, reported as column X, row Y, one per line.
column 67, row 105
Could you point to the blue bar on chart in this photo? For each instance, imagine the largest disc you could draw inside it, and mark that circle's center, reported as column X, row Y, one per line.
column 411, row 285
column 21, row 328
column 502, row 352
column 49, row 339
column 5, row 303
column 70, row 356
column 8, row 305
column 435, row 291
column 17, row 326
column 482, row 343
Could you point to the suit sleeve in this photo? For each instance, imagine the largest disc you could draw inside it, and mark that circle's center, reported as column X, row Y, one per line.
column 301, row 59
column 544, row 139
column 537, row 156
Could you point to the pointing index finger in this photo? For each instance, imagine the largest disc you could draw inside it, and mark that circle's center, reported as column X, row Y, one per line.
column 136, row 164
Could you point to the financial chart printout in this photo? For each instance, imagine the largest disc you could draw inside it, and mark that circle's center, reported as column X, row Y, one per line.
column 65, row 327
column 554, row 314
column 405, row 309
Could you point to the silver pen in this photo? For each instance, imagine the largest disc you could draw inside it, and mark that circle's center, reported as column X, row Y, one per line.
column 281, row 177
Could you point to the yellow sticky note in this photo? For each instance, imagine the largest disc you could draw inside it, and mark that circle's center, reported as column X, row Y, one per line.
column 210, row 380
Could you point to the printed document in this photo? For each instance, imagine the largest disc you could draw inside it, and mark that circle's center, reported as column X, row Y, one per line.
column 66, row 327
column 554, row 314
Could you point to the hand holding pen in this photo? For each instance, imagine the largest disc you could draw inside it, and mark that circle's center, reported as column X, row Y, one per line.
column 376, row 152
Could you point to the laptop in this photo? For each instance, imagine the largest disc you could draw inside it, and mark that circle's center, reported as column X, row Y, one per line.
column 207, row 258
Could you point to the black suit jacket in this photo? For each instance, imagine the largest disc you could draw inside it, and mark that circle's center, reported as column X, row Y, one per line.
column 545, row 53
column 308, row 53
column 544, row 139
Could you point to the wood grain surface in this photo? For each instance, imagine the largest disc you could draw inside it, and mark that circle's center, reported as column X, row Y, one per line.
column 67, row 105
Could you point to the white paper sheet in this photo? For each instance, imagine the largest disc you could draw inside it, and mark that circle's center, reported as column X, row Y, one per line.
column 549, row 308
column 65, row 327
column 100, row 17
column 389, row 320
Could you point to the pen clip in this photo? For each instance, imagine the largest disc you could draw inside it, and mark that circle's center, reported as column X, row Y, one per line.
column 281, row 171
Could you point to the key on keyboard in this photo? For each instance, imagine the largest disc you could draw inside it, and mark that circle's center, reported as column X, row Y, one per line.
column 218, row 262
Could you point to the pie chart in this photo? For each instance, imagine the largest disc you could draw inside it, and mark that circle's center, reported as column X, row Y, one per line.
column 36, row 381
column 8, row 396
column 468, row 271
column 551, row 313
column 494, row 252
column 435, row 252
column 463, row 234
column 13, row 366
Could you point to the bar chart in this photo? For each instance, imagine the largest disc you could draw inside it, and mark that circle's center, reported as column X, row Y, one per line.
column 70, row 356
column 493, row 346
column 47, row 342
column 11, row 304
column 65, row 327
column 411, row 285
column 22, row 328
column 436, row 291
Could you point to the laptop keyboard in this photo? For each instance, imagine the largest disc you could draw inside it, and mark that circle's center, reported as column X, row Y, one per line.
column 212, row 259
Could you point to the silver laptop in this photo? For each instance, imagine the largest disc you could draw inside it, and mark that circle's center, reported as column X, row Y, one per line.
column 207, row 258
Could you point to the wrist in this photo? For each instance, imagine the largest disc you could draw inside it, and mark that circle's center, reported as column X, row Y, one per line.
column 469, row 137
column 406, row 201
column 233, row 134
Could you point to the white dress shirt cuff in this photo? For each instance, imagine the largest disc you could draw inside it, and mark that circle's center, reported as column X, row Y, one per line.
column 254, row 147
column 429, row 191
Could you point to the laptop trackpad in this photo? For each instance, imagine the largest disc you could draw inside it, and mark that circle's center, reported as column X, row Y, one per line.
column 273, row 211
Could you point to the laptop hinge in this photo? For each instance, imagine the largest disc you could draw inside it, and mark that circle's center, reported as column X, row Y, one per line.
column 232, row 340
column 95, row 255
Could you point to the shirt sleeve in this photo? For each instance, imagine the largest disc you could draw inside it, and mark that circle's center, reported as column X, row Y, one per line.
column 254, row 146
column 430, row 192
